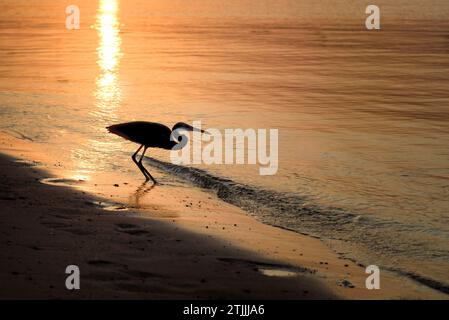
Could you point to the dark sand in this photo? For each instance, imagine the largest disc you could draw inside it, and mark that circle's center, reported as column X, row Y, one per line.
column 120, row 255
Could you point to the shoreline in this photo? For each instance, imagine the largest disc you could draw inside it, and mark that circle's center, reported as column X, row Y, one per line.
column 229, row 253
column 120, row 255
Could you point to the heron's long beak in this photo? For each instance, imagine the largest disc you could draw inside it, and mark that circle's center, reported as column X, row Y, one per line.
column 200, row 130
column 190, row 128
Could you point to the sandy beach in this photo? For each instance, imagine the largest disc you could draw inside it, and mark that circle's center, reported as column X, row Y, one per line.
column 157, row 243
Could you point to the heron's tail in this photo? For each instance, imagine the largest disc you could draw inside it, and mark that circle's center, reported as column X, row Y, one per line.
column 116, row 129
column 111, row 129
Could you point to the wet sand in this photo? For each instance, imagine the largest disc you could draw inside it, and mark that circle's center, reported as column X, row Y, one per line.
column 165, row 242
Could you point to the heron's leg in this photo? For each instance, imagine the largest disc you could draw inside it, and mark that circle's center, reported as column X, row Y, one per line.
column 146, row 171
column 139, row 165
column 143, row 154
column 135, row 154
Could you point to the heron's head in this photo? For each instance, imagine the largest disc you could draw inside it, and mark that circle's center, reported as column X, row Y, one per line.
column 188, row 127
column 178, row 138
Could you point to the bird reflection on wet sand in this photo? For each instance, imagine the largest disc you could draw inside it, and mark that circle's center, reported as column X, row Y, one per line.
column 136, row 197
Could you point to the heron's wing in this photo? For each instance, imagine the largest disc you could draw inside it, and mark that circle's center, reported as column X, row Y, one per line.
column 150, row 134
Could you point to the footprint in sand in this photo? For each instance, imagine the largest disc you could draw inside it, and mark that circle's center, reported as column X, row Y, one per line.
column 126, row 225
column 67, row 227
column 109, row 206
column 131, row 229
column 132, row 287
column 112, row 271
column 270, row 269
column 100, row 263
column 27, row 163
column 56, row 225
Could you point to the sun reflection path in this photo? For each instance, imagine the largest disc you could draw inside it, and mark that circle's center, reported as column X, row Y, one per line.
column 108, row 93
column 95, row 154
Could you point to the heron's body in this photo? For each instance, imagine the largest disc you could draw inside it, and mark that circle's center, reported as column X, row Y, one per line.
column 148, row 135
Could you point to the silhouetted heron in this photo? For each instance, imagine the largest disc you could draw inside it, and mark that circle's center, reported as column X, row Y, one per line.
column 149, row 135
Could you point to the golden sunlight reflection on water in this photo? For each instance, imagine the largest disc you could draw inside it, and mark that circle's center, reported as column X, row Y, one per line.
column 106, row 92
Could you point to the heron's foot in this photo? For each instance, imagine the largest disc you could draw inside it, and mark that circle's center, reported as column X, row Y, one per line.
column 152, row 180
